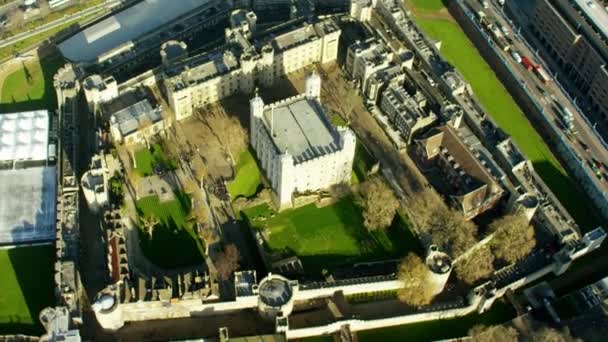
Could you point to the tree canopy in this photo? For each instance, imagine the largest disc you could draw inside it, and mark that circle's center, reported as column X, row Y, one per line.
column 415, row 276
column 379, row 204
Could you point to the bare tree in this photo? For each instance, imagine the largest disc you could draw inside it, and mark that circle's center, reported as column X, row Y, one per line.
column 199, row 214
column 479, row 264
column 378, row 202
column 415, row 276
column 446, row 227
column 498, row 333
column 191, row 187
column 513, row 237
column 546, row 334
column 230, row 132
column 149, row 222
column 227, row 262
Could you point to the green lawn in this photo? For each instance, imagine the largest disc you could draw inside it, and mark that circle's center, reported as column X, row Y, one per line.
column 248, row 179
column 31, row 86
column 428, row 5
column 147, row 159
column 26, row 288
column 330, row 236
column 362, row 164
column 458, row 50
column 173, row 242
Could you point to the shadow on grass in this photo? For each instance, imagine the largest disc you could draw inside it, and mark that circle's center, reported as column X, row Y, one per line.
column 33, row 267
column 440, row 329
column 49, row 66
column 570, row 194
column 171, row 246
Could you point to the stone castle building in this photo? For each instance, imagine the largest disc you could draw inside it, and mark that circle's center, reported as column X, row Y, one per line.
column 297, row 146
column 245, row 61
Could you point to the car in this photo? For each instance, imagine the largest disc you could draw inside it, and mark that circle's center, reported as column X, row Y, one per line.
column 516, row 56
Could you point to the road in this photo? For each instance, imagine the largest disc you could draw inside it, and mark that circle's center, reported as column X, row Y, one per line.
column 586, row 142
column 56, row 23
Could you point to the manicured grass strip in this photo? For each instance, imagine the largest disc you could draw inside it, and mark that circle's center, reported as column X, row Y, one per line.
column 31, row 86
column 248, row 179
column 26, row 287
column 428, row 5
column 173, row 242
column 148, row 159
column 458, row 50
column 332, row 235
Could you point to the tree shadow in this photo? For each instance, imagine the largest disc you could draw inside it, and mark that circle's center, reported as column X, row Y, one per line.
column 570, row 195
column 49, row 66
column 33, row 267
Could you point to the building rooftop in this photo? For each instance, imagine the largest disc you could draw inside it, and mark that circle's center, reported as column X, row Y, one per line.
column 124, row 26
column 596, row 13
column 24, row 136
column 134, row 116
column 301, row 128
column 202, row 68
column 275, row 291
column 27, row 204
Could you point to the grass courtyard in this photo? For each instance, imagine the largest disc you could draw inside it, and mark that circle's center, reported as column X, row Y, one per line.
column 30, row 86
column 173, row 242
column 330, row 236
column 459, row 50
column 147, row 159
column 26, row 288
column 247, row 179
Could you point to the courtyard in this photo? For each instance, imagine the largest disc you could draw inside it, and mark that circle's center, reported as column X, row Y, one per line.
column 330, row 236
column 26, row 288
column 173, row 241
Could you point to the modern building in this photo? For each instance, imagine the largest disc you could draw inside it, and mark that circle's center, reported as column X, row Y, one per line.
column 575, row 35
column 469, row 176
column 120, row 31
column 242, row 62
column 407, row 113
column 28, row 178
column 297, row 146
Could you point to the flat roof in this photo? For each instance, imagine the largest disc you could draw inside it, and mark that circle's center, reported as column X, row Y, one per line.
column 24, row 136
column 27, row 204
column 300, row 127
column 124, row 26
column 596, row 13
column 129, row 119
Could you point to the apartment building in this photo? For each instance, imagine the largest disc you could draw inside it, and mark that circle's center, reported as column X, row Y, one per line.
column 406, row 112
column 575, row 35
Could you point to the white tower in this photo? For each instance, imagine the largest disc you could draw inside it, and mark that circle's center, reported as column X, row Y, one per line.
column 440, row 265
column 313, row 86
column 256, row 110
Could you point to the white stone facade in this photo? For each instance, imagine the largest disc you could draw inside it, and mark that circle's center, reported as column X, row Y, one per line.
column 209, row 78
column 325, row 160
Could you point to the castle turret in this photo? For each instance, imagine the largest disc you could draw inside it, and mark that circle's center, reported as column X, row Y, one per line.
column 440, row 265
column 256, row 110
column 313, row 86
